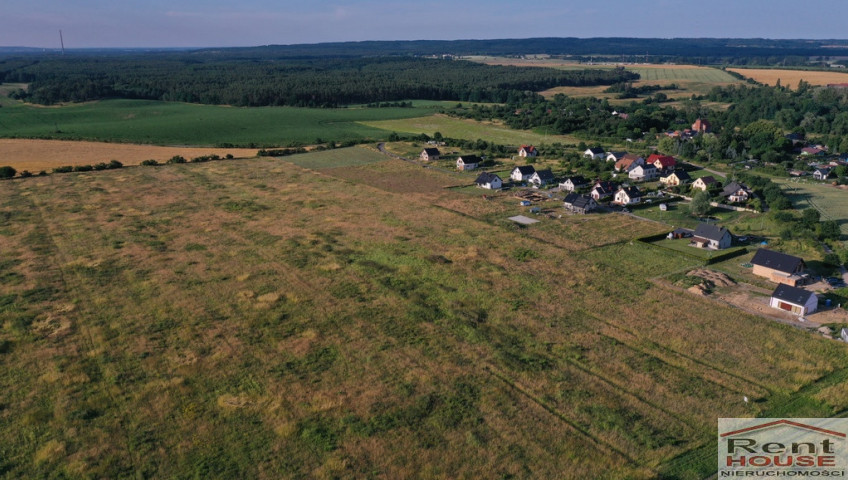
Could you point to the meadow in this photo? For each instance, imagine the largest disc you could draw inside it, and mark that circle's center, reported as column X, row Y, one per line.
column 171, row 123
column 831, row 201
column 260, row 319
column 790, row 78
column 468, row 130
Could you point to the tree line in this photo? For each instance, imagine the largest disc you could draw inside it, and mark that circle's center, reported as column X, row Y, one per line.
column 325, row 82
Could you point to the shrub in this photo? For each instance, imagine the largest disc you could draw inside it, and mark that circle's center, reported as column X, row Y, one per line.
column 83, row 168
column 7, row 172
column 26, row 174
column 100, row 166
column 63, row 169
column 230, row 156
column 177, row 159
column 113, row 164
column 150, row 163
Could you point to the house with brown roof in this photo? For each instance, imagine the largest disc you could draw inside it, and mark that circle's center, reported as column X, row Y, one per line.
column 527, row 151
column 701, row 126
column 628, row 161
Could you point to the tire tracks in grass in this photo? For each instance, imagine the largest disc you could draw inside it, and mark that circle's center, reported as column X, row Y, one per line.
column 67, row 279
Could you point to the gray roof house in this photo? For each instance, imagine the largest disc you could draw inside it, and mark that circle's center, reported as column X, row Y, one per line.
column 711, row 236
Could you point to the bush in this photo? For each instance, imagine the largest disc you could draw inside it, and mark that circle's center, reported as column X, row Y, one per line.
column 177, row 159
column 83, row 168
column 7, row 172
column 26, row 174
column 100, row 166
column 113, row 164
column 63, row 169
column 229, row 156
column 150, row 163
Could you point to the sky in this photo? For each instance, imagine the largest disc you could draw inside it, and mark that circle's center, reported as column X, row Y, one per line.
column 218, row 23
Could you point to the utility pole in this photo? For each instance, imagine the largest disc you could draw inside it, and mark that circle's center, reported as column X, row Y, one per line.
column 62, row 41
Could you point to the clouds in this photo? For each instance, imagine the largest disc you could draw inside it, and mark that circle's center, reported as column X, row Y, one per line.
column 196, row 23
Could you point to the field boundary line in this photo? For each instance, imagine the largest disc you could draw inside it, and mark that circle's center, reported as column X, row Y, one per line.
column 556, row 413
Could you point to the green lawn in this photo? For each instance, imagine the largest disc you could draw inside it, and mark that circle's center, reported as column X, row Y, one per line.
column 831, row 201
column 168, row 123
column 467, row 130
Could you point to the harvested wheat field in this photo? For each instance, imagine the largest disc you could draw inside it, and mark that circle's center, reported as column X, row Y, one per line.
column 790, row 78
column 37, row 155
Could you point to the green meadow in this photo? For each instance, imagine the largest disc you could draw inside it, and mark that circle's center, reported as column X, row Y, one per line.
column 168, row 123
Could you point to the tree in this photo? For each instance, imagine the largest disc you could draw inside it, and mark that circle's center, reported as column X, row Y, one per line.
column 810, row 217
column 829, row 230
column 700, row 204
column 7, row 172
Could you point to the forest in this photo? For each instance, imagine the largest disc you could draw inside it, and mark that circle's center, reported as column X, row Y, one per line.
column 325, row 82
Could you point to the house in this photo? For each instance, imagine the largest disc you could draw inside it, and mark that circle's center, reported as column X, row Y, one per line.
column 736, row 192
column 583, row 204
column 793, row 299
column 675, row 178
column 778, row 267
column 542, row 177
column 573, row 183
column 701, row 126
column 615, row 156
column 822, row 173
column 711, row 236
column 812, row 151
column 627, row 196
column 429, row 154
column 662, row 162
column 643, row 172
column 468, row 162
column 527, row 151
column 522, row 173
column 628, row 161
column 704, row 183
column 595, row 153
column 489, row 181
column 603, row 189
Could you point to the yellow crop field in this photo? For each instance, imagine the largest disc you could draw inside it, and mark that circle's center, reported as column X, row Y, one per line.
column 37, row 155
column 790, row 78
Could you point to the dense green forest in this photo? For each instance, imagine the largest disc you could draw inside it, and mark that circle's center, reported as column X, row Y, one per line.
column 716, row 51
column 328, row 82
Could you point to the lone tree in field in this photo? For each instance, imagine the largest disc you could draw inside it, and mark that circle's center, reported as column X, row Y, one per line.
column 7, row 172
column 700, row 205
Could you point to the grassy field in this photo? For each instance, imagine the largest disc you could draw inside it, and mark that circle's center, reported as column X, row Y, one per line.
column 468, row 130
column 258, row 319
column 168, row 123
column 831, row 201
column 790, row 78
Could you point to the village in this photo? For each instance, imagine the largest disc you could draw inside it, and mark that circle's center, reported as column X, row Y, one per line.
column 774, row 284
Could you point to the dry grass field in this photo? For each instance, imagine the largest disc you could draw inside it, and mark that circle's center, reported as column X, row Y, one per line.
column 790, row 78
column 266, row 320
column 37, row 155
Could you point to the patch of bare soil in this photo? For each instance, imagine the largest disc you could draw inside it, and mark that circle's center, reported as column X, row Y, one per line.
column 715, row 278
